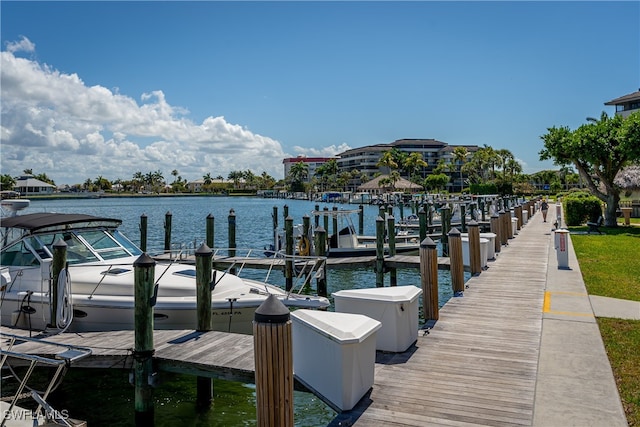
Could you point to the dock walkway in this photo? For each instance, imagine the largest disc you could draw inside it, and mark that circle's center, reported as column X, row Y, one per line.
column 521, row 347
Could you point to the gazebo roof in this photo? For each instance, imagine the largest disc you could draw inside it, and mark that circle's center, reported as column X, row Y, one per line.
column 401, row 184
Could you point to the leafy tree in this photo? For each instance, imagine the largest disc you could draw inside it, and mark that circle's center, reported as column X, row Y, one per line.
column 436, row 181
column 7, row 182
column 102, row 183
column 598, row 150
column 267, row 181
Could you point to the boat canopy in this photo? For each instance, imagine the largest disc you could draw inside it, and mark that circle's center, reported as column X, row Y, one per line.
column 54, row 221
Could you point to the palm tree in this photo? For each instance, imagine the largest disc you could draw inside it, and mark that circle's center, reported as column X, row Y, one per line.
column 388, row 161
column 299, row 171
column 235, row 176
column 414, row 163
column 175, row 174
column 460, row 156
column 395, row 177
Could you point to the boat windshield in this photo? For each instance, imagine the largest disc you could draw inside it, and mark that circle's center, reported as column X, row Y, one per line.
column 83, row 246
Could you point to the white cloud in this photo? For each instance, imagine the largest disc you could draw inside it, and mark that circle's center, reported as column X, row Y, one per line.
column 55, row 124
column 329, row 151
column 22, row 45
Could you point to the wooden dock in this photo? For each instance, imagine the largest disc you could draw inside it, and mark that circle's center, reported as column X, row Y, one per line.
column 475, row 366
column 208, row 354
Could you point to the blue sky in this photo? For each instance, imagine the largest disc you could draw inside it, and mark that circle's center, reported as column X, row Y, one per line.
column 111, row 88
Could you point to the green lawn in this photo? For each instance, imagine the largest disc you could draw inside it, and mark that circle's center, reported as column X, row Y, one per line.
column 610, row 267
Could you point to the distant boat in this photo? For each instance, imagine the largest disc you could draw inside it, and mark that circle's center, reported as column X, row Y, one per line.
column 347, row 243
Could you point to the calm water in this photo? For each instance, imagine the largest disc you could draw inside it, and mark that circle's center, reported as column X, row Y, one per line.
column 104, row 397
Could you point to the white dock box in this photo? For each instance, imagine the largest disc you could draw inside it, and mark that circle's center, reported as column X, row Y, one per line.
column 334, row 354
column 466, row 251
column 396, row 307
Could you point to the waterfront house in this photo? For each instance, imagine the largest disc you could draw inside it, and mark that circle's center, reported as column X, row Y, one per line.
column 27, row 185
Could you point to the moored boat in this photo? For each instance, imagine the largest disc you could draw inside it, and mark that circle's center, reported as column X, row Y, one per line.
column 96, row 291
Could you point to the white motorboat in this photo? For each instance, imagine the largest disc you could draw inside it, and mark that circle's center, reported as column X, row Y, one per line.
column 96, row 292
column 347, row 243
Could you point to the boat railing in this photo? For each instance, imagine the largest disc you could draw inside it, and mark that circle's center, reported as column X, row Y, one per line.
column 305, row 268
column 62, row 356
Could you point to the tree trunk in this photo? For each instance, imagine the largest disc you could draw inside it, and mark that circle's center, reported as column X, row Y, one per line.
column 610, row 217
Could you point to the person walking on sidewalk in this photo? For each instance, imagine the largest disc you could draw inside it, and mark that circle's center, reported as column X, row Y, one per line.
column 544, row 207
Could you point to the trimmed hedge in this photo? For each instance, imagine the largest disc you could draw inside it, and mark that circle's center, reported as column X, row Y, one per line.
column 479, row 189
column 580, row 207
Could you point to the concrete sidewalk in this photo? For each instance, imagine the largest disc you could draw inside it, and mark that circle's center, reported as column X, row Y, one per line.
column 575, row 384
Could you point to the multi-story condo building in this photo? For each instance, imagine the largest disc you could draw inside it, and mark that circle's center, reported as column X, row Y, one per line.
column 313, row 164
column 626, row 104
column 365, row 159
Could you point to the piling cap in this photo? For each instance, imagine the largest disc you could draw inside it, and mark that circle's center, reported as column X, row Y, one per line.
column 454, row 232
column 272, row 310
column 60, row 244
column 428, row 243
column 203, row 250
column 144, row 260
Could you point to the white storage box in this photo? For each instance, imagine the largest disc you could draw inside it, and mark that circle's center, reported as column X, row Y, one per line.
column 484, row 251
column 514, row 226
column 395, row 306
column 491, row 247
column 334, row 354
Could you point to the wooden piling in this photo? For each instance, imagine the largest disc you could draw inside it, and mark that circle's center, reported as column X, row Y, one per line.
column 495, row 229
column 321, row 251
column 58, row 264
column 326, row 220
column 361, row 220
column 379, row 252
column 445, row 219
column 474, row 248
column 204, row 255
column 210, row 231
column 273, row 353
column 504, row 232
column 463, row 218
column 306, row 231
column 144, row 276
column 167, row 232
column 335, row 222
column 143, row 232
column 422, row 221
column 455, row 261
column 231, row 220
column 288, row 265
column 518, row 213
column 393, row 275
column 429, row 279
